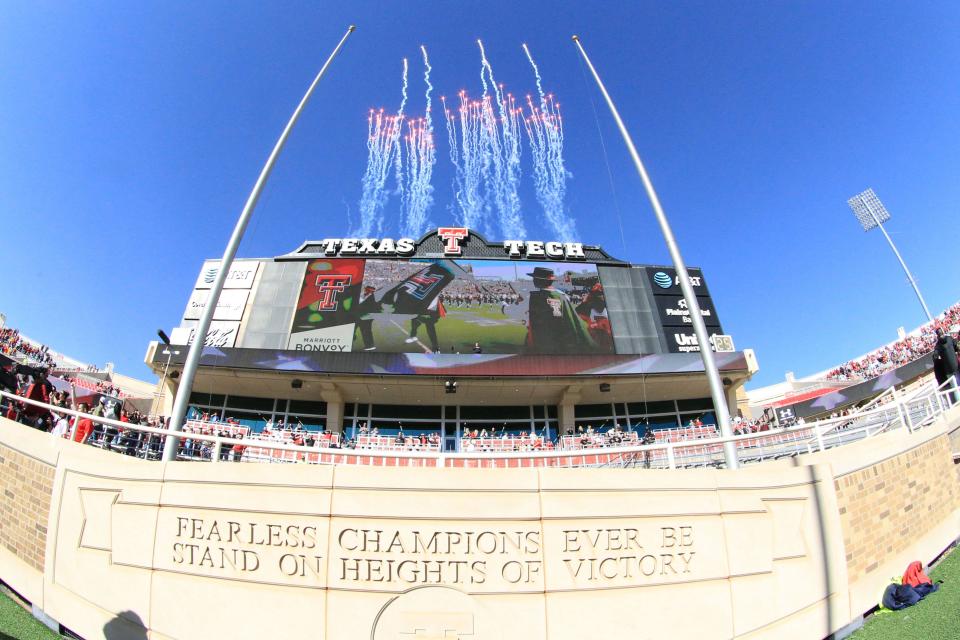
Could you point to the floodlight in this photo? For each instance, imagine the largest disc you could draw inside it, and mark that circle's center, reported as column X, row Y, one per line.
column 871, row 213
column 868, row 209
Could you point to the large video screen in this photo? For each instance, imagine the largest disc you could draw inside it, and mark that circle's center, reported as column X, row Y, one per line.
column 451, row 306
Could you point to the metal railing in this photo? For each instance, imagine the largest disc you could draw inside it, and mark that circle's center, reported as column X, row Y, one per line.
column 915, row 412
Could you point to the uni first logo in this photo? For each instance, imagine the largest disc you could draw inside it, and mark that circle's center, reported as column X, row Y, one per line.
column 328, row 287
column 451, row 237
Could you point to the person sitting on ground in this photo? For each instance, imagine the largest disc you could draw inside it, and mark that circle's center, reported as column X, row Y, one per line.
column 911, row 589
column 916, row 578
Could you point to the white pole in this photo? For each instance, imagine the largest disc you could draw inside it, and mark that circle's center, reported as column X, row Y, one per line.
column 699, row 328
column 192, row 362
column 913, row 283
column 864, row 200
column 156, row 396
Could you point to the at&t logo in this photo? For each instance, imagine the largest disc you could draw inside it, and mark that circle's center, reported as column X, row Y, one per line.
column 665, row 281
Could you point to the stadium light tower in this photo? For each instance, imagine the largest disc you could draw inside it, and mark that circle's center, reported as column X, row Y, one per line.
column 699, row 328
column 871, row 213
column 192, row 362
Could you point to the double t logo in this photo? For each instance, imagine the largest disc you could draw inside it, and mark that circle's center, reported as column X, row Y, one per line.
column 452, row 237
column 328, row 286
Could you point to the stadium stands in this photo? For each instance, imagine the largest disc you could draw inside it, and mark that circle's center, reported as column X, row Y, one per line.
column 95, row 385
column 918, row 344
column 694, row 446
column 62, row 368
column 14, row 345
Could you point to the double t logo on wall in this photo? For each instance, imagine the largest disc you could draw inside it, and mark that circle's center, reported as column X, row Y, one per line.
column 451, row 237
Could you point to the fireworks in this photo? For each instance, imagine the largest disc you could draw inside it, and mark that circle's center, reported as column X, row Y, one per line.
column 485, row 139
column 544, row 128
column 421, row 157
column 503, row 149
column 383, row 151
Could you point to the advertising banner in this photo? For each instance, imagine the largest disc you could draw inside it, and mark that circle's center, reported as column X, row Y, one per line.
column 684, row 340
column 241, row 276
column 859, row 392
column 329, row 306
column 221, row 334
column 230, row 306
column 451, row 306
column 674, row 313
column 444, row 364
column 663, row 281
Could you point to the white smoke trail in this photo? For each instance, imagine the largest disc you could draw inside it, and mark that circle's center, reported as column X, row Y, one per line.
column 536, row 72
column 502, row 153
column 383, row 151
column 426, row 79
column 450, row 123
column 483, row 68
column 421, row 158
column 398, row 160
column 403, row 101
column 462, row 136
column 544, row 129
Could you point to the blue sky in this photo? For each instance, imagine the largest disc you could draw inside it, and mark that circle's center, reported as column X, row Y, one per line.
column 131, row 133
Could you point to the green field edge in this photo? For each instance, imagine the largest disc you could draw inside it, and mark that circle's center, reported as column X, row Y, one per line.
column 17, row 621
column 933, row 618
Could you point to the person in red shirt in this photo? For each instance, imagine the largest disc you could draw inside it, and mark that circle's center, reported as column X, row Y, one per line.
column 238, row 449
column 83, row 426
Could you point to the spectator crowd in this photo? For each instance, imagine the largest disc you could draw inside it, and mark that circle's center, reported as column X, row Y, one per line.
column 13, row 344
column 898, row 353
column 34, row 384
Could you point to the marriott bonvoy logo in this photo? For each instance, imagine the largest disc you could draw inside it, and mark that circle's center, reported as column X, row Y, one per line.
column 452, row 239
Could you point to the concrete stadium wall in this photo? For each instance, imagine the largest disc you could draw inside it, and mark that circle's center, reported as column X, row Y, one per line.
column 112, row 546
column 898, row 497
column 26, row 476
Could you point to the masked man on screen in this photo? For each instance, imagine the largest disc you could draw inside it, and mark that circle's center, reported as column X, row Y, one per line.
column 593, row 311
column 554, row 326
